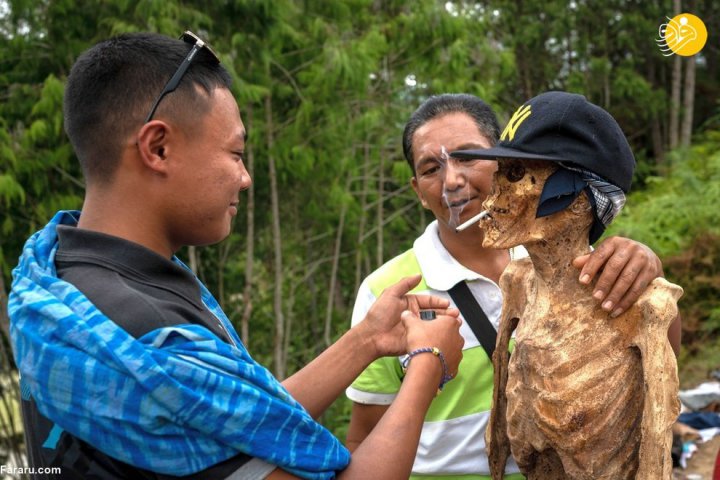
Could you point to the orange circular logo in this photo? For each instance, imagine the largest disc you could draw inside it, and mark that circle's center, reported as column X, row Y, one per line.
column 684, row 34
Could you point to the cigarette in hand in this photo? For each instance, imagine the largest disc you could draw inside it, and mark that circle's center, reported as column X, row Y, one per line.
column 474, row 219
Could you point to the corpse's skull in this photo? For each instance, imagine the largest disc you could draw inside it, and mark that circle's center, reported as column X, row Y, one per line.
column 517, row 185
column 513, row 204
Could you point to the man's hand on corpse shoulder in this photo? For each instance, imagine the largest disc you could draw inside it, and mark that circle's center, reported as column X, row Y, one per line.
column 382, row 323
column 625, row 268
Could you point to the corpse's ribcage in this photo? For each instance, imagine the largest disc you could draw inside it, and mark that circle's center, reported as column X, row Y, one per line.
column 575, row 396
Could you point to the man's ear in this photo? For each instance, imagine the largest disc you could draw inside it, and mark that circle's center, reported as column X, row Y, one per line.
column 423, row 202
column 152, row 144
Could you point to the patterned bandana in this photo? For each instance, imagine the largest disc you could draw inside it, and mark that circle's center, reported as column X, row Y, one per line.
column 563, row 186
column 175, row 401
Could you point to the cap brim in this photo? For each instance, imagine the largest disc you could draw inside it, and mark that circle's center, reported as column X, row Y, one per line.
column 501, row 152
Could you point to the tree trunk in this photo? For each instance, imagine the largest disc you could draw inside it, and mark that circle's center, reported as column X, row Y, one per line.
column 524, row 69
column 380, row 213
column 193, row 259
column 278, row 342
column 363, row 214
column 607, row 91
column 675, row 93
column 289, row 323
column 4, row 318
column 658, row 143
column 675, row 103
column 223, row 253
column 688, row 102
column 335, row 264
column 523, row 58
column 249, row 240
column 607, row 70
column 711, row 17
column 10, row 431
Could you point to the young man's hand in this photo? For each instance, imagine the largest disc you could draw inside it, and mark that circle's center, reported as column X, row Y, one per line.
column 443, row 332
column 382, row 324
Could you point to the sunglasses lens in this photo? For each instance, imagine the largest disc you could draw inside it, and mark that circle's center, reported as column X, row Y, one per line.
column 192, row 39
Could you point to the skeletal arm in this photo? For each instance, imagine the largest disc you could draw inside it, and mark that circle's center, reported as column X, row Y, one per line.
column 658, row 308
column 496, row 437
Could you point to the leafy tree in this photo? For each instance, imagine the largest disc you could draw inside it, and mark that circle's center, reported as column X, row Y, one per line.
column 324, row 88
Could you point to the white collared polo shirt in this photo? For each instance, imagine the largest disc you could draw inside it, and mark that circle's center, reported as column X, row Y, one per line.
column 452, row 442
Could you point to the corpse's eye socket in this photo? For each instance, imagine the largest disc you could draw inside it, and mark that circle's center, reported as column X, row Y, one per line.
column 515, row 173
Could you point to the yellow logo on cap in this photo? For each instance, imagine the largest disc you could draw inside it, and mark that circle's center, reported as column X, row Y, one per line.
column 684, row 34
column 518, row 117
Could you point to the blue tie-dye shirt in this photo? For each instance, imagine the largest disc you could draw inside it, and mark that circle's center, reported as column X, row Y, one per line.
column 175, row 401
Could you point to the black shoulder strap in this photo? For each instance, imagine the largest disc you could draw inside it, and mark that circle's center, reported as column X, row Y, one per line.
column 474, row 316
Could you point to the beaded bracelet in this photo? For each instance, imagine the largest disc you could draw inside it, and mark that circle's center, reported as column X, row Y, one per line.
column 435, row 351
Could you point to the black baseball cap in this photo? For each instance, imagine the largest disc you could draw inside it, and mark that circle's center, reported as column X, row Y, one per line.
column 565, row 127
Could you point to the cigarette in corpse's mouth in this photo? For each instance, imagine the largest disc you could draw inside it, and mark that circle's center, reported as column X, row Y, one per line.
column 474, row 219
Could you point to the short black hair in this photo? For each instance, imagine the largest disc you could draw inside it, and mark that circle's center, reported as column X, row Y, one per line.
column 439, row 105
column 111, row 88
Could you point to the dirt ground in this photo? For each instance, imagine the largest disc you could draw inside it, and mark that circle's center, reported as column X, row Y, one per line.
column 702, row 462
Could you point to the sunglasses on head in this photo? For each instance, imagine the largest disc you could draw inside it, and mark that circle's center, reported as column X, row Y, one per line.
column 197, row 45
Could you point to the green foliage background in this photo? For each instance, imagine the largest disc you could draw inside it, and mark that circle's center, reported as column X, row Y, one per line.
column 324, row 88
column 677, row 214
